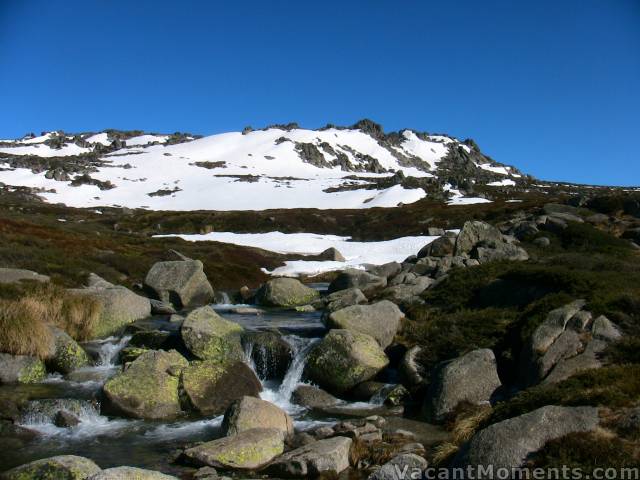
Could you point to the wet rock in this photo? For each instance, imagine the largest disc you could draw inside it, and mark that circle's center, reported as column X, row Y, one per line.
column 16, row 275
column 248, row 450
column 65, row 420
column 161, row 308
column 270, row 353
column 366, row 282
column 46, row 410
column 68, row 467
column 208, row 336
column 129, row 354
column 285, row 292
column 130, row 473
column 182, row 283
column 250, row 412
column 381, row 320
column 314, row 459
column 407, row 462
column 471, row 378
column 211, row 387
column 345, row 298
column 155, row 340
column 21, row 369
column 312, row 397
column 148, row 388
column 343, row 359
column 67, row 354
column 507, row 444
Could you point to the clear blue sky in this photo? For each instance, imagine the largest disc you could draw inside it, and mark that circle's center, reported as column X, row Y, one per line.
column 551, row 86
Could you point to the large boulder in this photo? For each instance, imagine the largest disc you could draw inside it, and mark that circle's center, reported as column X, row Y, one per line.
column 251, row 412
column 148, row 387
column 248, row 450
column 285, row 292
column 381, row 320
column 471, row 378
column 326, row 456
column 312, row 397
column 67, row 355
column 182, row 283
column 440, row 247
column 507, row 444
column 475, row 232
column 130, row 473
column 332, row 254
column 352, row 278
column 211, row 387
column 386, row 270
column 17, row 275
column 21, row 369
column 343, row 359
column 64, row 467
column 270, row 353
column 344, row 298
column 119, row 306
column 208, row 336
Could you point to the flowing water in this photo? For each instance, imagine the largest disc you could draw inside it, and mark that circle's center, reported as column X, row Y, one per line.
column 112, row 441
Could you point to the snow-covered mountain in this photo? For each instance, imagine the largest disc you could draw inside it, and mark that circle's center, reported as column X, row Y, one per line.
column 281, row 166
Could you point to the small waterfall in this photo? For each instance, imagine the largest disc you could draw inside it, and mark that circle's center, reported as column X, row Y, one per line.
column 109, row 350
column 248, row 357
column 42, row 412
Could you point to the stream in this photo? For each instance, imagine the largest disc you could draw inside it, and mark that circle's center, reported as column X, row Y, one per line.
column 114, row 441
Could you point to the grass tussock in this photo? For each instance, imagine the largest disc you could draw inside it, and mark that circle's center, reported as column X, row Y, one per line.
column 29, row 310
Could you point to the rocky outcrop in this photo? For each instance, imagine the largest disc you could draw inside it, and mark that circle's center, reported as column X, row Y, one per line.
column 285, row 292
column 210, row 387
column 68, row 467
column 16, row 275
column 507, row 444
column 250, row 412
column 208, row 336
column 343, row 359
column 21, row 369
column 326, row 456
column 366, row 282
column 182, row 283
column 485, row 243
column 470, row 378
column 130, row 473
column 381, row 320
column 119, row 306
column 248, row 450
column 148, row 387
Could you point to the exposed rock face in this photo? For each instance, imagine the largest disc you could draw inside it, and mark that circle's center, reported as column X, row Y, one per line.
column 68, row 467
column 285, row 292
column 345, row 298
column 314, row 459
column 211, row 387
column 16, row 275
column 119, row 306
column 474, row 233
column 390, row 470
column 312, row 397
column 471, row 378
column 130, row 473
column 343, row 359
column 21, row 369
column 351, row 278
column 67, row 354
column 250, row 412
column 208, row 336
column 507, row 444
column 381, row 320
column 181, row 283
column 148, row 388
column 270, row 353
column 248, row 450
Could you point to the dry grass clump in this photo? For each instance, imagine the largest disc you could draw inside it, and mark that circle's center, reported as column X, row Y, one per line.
column 26, row 313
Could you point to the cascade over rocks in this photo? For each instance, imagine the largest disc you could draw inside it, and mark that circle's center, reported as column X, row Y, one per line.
column 285, row 292
column 381, row 320
column 182, row 283
column 271, row 354
column 208, row 336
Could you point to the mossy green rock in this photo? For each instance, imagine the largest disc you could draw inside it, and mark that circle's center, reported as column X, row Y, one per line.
column 63, row 467
column 248, row 450
column 130, row 473
column 285, row 292
column 148, row 387
column 21, row 369
column 208, row 336
column 251, row 412
column 210, row 387
column 343, row 359
column 68, row 355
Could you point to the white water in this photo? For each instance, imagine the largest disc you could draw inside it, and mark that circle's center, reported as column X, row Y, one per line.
column 109, row 350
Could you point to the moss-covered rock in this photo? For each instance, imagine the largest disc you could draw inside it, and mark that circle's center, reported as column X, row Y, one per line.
column 148, row 388
column 21, row 369
column 208, row 336
column 68, row 355
column 250, row 412
column 130, row 473
column 247, row 450
column 129, row 354
column 210, row 386
column 285, row 292
column 343, row 359
column 63, row 467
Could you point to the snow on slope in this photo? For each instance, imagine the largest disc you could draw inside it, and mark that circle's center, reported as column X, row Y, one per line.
column 356, row 254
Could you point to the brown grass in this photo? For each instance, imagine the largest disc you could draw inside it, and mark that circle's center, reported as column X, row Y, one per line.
column 25, row 321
